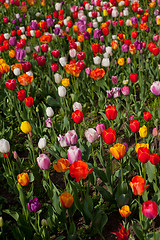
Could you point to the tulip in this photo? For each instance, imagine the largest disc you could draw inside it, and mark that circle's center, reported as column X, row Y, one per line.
column 49, row 112
column 143, row 131
column 125, row 90
column 91, row 135
column 139, row 145
column 66, row 199
column 97, row 60
column 41, row 60
column 143, row 154
column 118, row 150
column 62, row 141
column 16, row 71
column 109, row 136
column 21, row 95
column 111, row 112
column 26, row 66
column 147, row 116
column 26, row 127
column 155, row 132
column 77, row 106
column 100, row 128
column 23, row 179
column 109, row 93
column 114, row 79
column 55, row 53
column 4, row 146
column 79, row 170
column 150, row 209
column 20, row 54
column 123, row 234
column 77, row 116
column 155, row 88
column 62, row 165
column 105, row 62
column 71, row 137
column 42, row 143
column 72, row 53
column 34, row 205
column 57, row 78
column 62, row 91
column 138, row 185
column 133, row 77
column 48, row 122
column 134, row 126
column 154, row 158
column 74, row 154
column 54, row 67
column 125, row 211
column 43, row 162
column 63, row 61
column 29, row 101
column 11, row 84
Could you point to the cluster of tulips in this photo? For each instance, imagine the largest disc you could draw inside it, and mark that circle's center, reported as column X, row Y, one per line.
column 80, row 117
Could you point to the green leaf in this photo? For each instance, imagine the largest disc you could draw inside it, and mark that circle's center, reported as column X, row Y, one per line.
column 106, row 195
column 72, row 228
column 52, row 102
column 99, row 220
column 13, row 214
column 101, row 174
column 31, row 177
column 150, row 169
column 138, row 231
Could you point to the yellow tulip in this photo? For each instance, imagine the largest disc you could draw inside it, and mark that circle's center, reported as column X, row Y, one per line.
column 118, row 150
column 26, row 127
column 143, row 131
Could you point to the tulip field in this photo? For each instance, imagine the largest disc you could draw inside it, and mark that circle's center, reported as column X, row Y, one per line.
column 80, row 120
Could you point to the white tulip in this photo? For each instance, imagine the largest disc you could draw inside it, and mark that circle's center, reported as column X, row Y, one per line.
column 62, row 91
column 95, row 25
column 32, row 32
column 100, row 19
column 105, row 62
column 38, row 14
column 16, row 71
column 6, row 36
column 22, row 29
column 29, row 73
column 42, row 143
column 4, row 146
column 115, row 13
column 28, row 49
column 87, row 6
column 49, row 112
column 105, row 55
column 63, row 61
column 97, row 60
column 109, row 50
column 90, row 14
column 125, row 12
column 120, row 4
column 57, row 78
column 77, row 106
column 23, row 36
column 58, row 6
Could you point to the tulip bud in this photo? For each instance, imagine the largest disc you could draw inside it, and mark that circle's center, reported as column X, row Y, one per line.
column 49, row 112
column 1, row 222
column 100, row 128
column 44, row 222
column 155, row 132
column 4, row 146
column 42, row 143
column 15, row 155
column 57, row 78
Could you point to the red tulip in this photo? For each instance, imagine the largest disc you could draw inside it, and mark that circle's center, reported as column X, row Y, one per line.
column 151, row 45
column 143, row 154
column 123, row 234
column 80, row 64
column 105, row 31
column 81, row 55
column 54, row 67
column 13, row 33
column 69, row 24
column 19, row 32
column 109, row 136
column 37, row 33
column 79, row 170
column 75, row 15
column 11, row 84
column 94, row 14
column 5, row 20
column 29, row 101
column 26, row 66
column 55, row 53
column 147, row 116
column 21, row 95
column 154, row 158
column 55, row 14
column 111, row 112
column 133, row 77
column 134, row 126
column 121, row 22
column 149, row 209
column 41, row 60
column 155, row 50
column 77, row 116
column 6, row 154
column 44, row 47
column 134, row 34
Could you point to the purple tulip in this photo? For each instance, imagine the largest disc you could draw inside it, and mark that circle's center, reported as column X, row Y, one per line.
column 12, row 41
column 116, row 92
column 125, row 48
column 62, row 140
column 86, row 35
column 50, row 22
column 81, row 25
column 97, row 33
column 147, row 30
column 126, row 146
column 43, row 162
column 34, row 205
column 91, row 135
column 48, row 123
column 20, row 54
column 33, row 25
column 74, row 154
column 155, row 88
column 71, row 137
column 57, row 30
column 100, row 128
column 14, row 21
column 138, row 45
column 125, row 90
column 20, row 19
column 102, row 38
column 114, row 79
column 109, row 93
column 134, row 20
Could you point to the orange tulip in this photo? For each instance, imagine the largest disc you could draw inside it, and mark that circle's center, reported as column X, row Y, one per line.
column 45, row 38
column 118, row 150
column 114, row 45
column 62, row 165
column 66, row 199
column 143, row 26
column 132, row 49
column 152, row 4
column 25, row 79
column 23, row 179
column 138, row 185
column 16, row 65
column 79, row 170
column 72, row 69
column 97, row 73
column 80, row 38
column 125, row 211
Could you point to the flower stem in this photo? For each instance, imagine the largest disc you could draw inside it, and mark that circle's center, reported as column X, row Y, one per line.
column 121, row 171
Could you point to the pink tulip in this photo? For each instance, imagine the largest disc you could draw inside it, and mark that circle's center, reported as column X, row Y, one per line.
column 71, row 137
column 155, row 88
column 125, row 90
column 43, row 162
column 91, row 135
column 74, row 154
column 100, row 128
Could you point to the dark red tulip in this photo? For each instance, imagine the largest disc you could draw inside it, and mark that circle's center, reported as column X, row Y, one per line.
column 81, row 55
column 29, row 101
column 154, row 158
column 80, row 64
column 11, row 84
column 55, row 53
column 44, row 47
column 41, row 60
column 54, row 67
column 26, row 66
